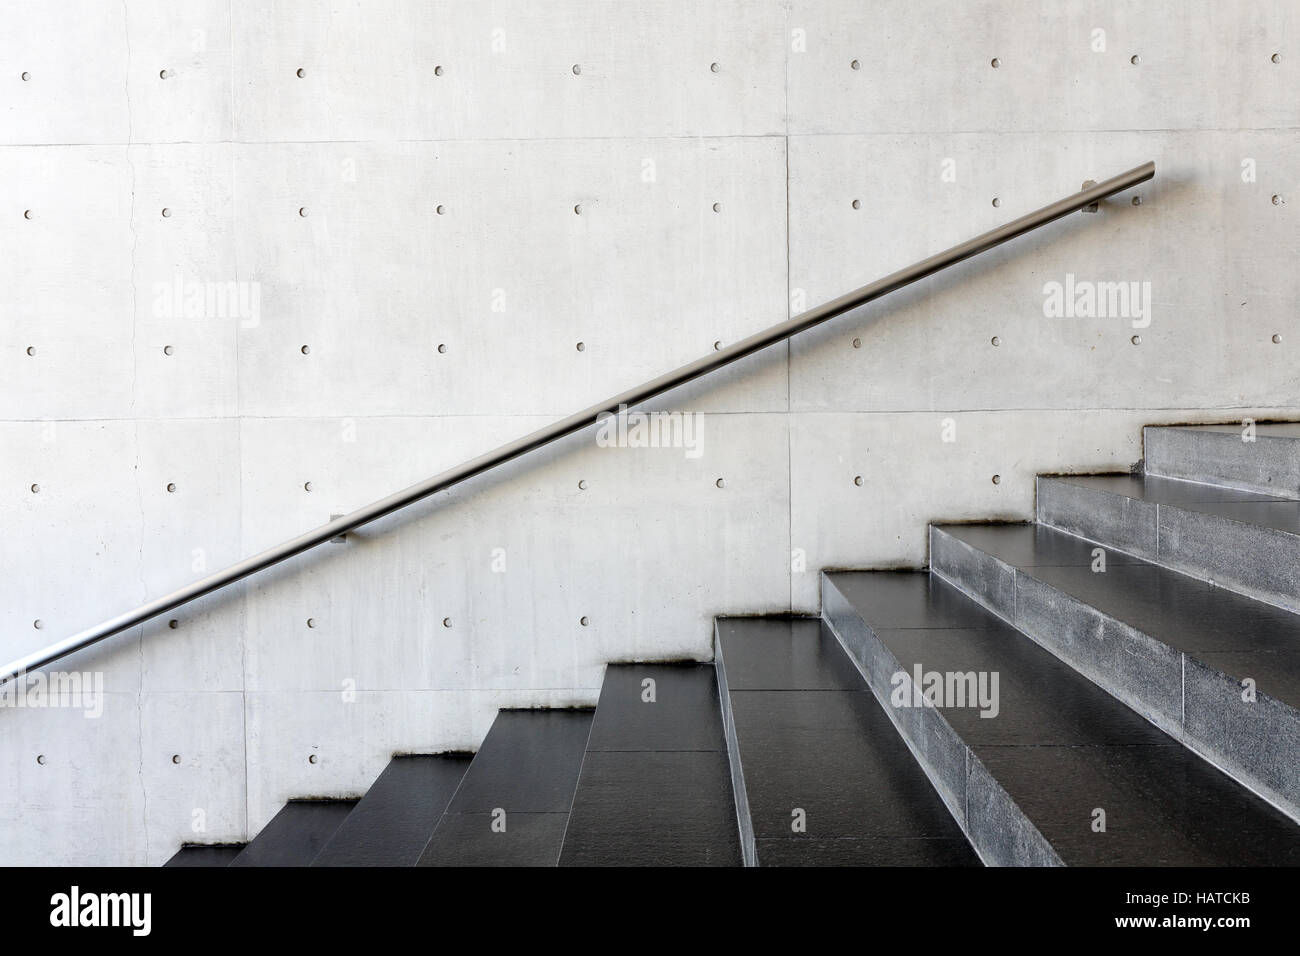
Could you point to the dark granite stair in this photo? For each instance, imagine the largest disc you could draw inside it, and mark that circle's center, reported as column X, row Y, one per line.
column 1245, row 541
column 512, row 807
column 1027, row 784
column 655, row 788
column 815, row 748
column 1175, row 648
column 393, row 822
column 296, row 834
column 204, row 854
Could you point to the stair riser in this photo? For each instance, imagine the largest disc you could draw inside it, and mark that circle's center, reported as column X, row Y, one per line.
column 1268, row 465
column 1116, row 521
column 997, row 828
column 744, row 821
column 1262, row 563
column 1258, row 743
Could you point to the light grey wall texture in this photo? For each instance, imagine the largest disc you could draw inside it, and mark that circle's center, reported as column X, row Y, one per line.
column 424, row 208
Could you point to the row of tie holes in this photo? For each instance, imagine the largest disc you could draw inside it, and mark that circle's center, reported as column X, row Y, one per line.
column 717, row 207
column 440, row 210
column 174, row 623
column 577, row 209
column 437, row 71
column 1276, row 199
column 858, row 481
column 996, row 342
column 857, row 342
column 995, row 63
column 176, row 759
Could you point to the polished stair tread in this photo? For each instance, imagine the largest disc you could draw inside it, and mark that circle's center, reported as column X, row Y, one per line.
column 1196, row 495
column 1061, row 747
column 811, row 737
column 685, row 715
column 1245, row 541
column 204, row 854
column 512, row 806
column 655, row 787
column 393, row 822
column 1239, row 636
column 296, row 834
column 1033, row 545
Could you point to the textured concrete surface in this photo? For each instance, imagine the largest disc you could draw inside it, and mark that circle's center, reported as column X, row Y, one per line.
column 416, row 187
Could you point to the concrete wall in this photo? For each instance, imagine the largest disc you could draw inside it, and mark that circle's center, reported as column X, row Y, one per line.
column 405, row 209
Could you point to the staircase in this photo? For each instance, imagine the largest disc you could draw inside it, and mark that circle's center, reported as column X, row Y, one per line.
column 643, row 779
column 1118, row 683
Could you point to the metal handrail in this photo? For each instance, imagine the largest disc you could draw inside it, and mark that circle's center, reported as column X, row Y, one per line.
column 582, row 419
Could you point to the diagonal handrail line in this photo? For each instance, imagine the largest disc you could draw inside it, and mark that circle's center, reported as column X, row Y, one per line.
column 582, row 419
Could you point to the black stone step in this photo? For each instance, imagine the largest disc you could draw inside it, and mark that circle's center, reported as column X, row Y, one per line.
column 656, row 783
column 296, row 834
column 1246, row 541
column 205, row 854
column 810, row 737
column 1026, row 784
column 513, row 804
column 393, row 822
column 1175, row 648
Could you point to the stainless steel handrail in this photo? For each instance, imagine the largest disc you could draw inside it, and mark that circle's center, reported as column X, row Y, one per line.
column 582, row 419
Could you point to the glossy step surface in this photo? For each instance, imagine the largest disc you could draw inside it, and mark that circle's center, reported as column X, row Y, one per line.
column 195, row 854
column 395, row 819
column 655, row 787
column 829, row 781
column 1246, row 541
column 512, row 806
column 296, row 834
column 1057, row 757
column 1216, row 669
